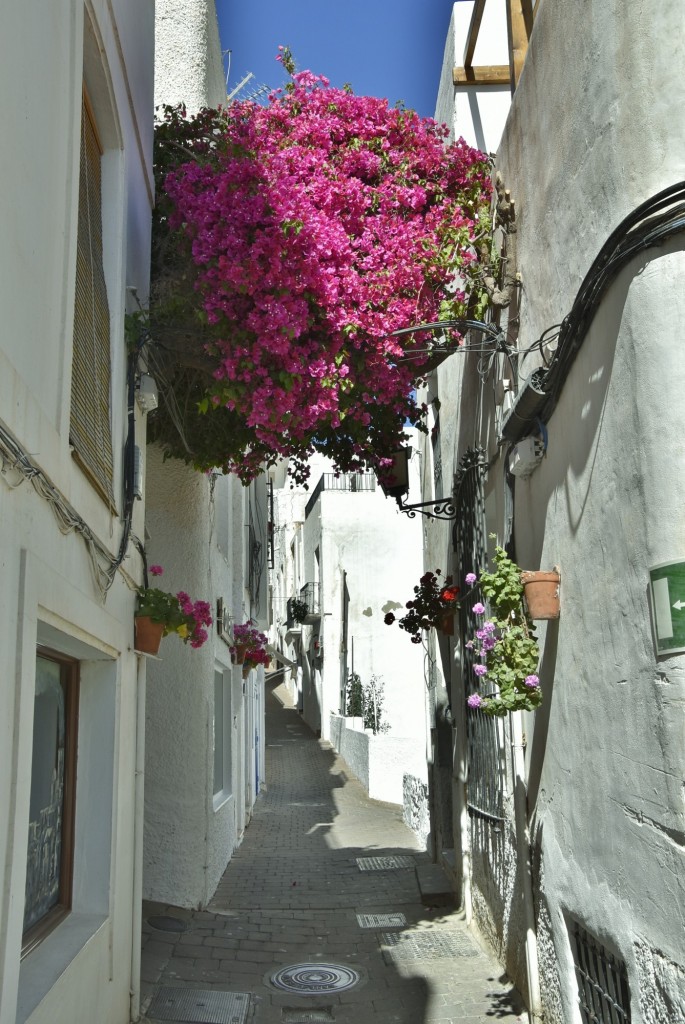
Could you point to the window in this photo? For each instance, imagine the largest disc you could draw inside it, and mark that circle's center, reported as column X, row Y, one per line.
column 222, row 737
column 53, row 787
column 90, row 428
column 437, row 457
column 603, row 994
column 485, row 785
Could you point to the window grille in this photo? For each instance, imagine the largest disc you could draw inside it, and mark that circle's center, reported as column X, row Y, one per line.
column 90, row 426
column 255, row 563
column 603, row 993
column 270, row 524
column 485, row 785
column 437, row 458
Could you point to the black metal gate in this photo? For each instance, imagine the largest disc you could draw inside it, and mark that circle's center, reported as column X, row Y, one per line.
column 485, row 790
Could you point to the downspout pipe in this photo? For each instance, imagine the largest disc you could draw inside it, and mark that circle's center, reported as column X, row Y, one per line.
column 523, row 858
column 138, row 824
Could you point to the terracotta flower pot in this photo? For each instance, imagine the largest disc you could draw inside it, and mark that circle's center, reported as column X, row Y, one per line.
column 148, row 635
column 446, row 623
column 238, row 656
column 247, row 667
column 541, row 591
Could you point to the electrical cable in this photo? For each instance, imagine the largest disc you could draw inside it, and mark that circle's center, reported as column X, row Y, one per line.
column 649, row 225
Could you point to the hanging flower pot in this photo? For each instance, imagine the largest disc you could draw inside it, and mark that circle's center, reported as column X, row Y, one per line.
column 541, row 591
column 148, row 635
column 446, row 623
column 248, row 647
column 238, row 654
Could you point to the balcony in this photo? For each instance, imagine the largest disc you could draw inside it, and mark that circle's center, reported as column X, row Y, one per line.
column 305, row 609
column 345, row 482
column 310, row 594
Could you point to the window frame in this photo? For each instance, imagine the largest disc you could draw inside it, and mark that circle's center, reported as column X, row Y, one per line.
column 70, row 680
column 97, row 467
column 222, row 795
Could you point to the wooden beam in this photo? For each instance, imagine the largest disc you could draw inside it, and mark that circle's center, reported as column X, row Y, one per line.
column 474, row 29
column 519, row 14
column 488, row 74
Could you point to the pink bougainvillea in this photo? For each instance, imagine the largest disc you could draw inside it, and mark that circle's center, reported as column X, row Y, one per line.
column 317, row 225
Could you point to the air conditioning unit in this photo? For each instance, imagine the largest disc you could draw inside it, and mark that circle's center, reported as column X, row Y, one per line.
column 147, row 395
column 526, row 456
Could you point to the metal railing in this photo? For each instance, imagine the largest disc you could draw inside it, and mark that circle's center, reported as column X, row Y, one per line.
column 485, row 783
column 310, row 593
column 344, row 482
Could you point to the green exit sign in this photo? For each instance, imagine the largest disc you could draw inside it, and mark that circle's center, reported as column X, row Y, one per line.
column 667, row 587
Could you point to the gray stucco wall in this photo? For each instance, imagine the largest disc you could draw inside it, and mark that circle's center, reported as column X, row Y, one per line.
column 594, row 130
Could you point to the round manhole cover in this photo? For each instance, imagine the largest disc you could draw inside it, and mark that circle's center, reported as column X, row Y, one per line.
column 314, row 979
column 168, row 924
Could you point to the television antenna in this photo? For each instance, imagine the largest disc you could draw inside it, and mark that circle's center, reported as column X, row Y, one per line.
column 254, row 93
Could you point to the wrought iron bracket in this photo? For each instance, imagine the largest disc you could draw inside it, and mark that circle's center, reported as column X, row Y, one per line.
column 443, row 508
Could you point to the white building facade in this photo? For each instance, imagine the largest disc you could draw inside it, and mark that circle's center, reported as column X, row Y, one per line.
column 205, row 722
column 571, row 864
column 75, row 248
column 345, row 551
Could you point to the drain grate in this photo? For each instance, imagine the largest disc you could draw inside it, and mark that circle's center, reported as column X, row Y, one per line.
column 319, row 1016
column 199, row 1006
column 315, row 979
column 384, row 863
column 426, row 945
column 381, row 920
column 168, row 924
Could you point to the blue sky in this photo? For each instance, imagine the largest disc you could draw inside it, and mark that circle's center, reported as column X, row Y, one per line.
column 383, row 48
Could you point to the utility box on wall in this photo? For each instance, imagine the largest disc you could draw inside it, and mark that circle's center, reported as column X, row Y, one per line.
column 667, row 592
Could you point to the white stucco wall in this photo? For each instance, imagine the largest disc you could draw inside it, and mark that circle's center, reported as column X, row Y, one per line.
column 380, row 762
column 364, row 541
column 368, row 544
column 594, row 130
column 198, row 532
column 188, row 28
column 47, row 590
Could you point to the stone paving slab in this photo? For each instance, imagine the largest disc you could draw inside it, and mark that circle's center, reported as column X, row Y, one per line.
column 291, row 895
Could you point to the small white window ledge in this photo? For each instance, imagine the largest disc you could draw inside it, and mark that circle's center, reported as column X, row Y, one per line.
column 47, row 962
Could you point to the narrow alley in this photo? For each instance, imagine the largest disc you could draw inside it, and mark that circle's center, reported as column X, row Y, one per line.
column 319, row 915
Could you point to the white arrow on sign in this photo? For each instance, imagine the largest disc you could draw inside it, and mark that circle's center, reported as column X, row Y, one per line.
column 679, row 605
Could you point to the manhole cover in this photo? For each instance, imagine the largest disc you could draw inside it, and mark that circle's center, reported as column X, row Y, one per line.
column 381, row 920
column 384, row 863
column 426, row 945
column 313, row 979
column 168, row 924
column 199, row 1006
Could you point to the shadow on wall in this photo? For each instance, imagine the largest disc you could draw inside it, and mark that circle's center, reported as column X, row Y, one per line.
column 576, row 425
column 543, row 714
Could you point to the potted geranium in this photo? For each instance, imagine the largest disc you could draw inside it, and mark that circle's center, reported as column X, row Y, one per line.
column 298, row 609
column 249, row 647
column 504, row 643
column 159, row 613
column 433, row 606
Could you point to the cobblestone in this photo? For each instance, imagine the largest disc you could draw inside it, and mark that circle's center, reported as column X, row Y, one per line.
column 291, row 894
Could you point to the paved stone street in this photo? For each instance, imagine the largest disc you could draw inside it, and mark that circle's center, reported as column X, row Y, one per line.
column 295, row 900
